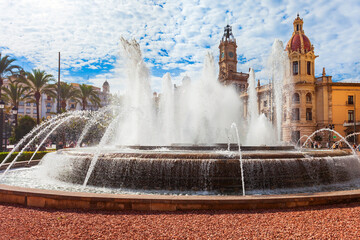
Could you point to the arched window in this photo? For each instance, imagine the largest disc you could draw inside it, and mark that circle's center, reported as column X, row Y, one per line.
column 308, row 97
column 296, row 98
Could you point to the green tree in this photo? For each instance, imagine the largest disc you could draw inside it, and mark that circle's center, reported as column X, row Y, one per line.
column 7, row 68
column 26, row 123
column 15, row 93
column 38, row 82
column 67, row 92
column 88, row 93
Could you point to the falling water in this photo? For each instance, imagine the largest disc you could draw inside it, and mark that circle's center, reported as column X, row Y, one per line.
column 61, row 122
column 304, row 136
column 260, row 130
column 350, row 135
column 51, row 122
column 95, row 119
column 253, row 111
column 197, row 112
column 104, row 140
column 333, row 131
column 279, row 69
column 233, row 125
column 58, row 122
column 166, row 110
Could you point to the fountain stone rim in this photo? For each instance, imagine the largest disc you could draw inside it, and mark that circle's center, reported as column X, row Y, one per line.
column 53, row 199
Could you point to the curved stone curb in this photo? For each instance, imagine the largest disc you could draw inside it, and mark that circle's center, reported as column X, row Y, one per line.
column 71, row 200
column 94, row 201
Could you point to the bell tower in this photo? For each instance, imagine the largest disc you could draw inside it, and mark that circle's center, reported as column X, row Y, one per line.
column 301, row 100
column 301, row 54
column 228, row 57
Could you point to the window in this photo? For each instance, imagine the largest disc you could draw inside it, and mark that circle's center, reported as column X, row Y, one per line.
column 265, row 103
column 295, row 68
column 295, row 114
column 285, row 115
column 48, row 98
column 296, row 98
column 28, row 111
column 48, row 104
column 48, row 110
column 350, row 99
column 72, row 106
column 28, row 104
column 295, row 136
column 309, row 114
column 21, row 103
column 351, row 116
column 297, row 27
column 308, row 97
column 309, row 68
column 34, row 111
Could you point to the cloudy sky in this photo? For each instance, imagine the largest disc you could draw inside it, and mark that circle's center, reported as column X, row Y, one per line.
column 174, row 35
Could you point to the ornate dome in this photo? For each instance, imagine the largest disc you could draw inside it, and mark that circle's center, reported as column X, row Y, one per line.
column 299, row 41
column 106, row 83
column 295, row 43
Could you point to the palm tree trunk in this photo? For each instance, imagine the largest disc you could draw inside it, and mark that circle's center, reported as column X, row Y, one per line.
column 37, row 111
column 37, row 98
column 63, row 105
column 16, row 120
column 84, row 104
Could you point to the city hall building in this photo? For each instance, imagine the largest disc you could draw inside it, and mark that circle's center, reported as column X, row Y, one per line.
column 314, row 102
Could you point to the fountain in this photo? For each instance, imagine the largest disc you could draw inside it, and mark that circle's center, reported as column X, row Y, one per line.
column 176, row 145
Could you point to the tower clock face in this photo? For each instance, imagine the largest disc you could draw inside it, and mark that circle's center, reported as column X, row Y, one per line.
column 231, row 54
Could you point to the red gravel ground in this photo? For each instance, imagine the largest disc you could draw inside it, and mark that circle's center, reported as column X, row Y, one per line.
column 328, row 222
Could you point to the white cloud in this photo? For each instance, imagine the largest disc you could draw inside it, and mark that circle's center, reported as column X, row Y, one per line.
column 88, row 32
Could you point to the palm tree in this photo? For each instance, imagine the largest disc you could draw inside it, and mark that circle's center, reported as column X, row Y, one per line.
column 67, row 92
column 38, row 83
column 7, row 68
column 88, row 93
column 15, row 93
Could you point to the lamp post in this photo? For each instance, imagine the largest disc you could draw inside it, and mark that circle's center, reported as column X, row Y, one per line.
column 6, row 131
column 14, row 111
column 2, row 106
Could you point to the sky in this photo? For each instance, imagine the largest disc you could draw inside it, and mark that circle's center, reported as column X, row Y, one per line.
column 174, row 35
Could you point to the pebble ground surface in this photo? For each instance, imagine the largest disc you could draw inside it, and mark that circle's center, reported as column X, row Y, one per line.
column 325, row 222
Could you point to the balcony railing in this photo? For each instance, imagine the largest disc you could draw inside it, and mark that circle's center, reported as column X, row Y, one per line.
column 349, row 102
column 348, row 123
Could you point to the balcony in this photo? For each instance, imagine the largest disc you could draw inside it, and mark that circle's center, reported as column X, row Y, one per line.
column 349, row 123
column 349, row 103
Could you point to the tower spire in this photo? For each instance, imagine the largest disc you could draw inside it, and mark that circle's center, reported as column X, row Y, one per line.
column 298, row 24
column 228, row 36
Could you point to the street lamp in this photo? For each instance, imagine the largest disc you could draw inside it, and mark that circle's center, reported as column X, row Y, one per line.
column 14, row 111
column 2, row 106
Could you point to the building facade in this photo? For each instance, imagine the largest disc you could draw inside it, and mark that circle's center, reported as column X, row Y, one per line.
column 48, row 105
column 228, row 74
column 310, row 103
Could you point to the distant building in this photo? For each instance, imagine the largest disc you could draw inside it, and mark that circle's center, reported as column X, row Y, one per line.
column 313, row 102
column 50, row 105
column 228, row 74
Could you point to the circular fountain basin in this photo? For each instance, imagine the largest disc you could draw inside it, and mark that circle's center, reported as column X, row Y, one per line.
column 207, row 169
column 176, row 177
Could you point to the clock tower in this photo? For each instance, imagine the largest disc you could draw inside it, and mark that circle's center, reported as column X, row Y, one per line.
column 228, row 62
